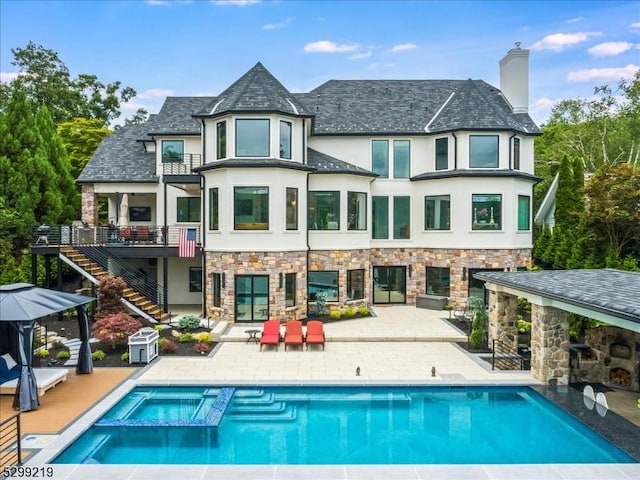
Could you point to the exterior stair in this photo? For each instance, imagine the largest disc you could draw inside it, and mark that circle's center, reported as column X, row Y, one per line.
column 94, row 273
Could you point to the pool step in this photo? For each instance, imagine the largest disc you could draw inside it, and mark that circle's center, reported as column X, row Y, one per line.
column 273, row 407
column 287, row 414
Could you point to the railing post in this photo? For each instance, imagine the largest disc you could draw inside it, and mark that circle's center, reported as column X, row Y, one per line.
column 493, row 355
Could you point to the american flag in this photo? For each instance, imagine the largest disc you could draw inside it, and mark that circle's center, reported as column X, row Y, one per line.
column 187, row 243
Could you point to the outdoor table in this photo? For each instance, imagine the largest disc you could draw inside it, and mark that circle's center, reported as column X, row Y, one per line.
column 252, row 335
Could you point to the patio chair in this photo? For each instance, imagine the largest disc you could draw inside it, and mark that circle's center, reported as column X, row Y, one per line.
column 143, row 234
column 315, row 333
column 126, row 234
column 270, row 334
column 293, row 334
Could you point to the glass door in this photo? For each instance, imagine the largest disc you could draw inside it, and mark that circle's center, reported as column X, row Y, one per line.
column 252, row 298
column 389, row 284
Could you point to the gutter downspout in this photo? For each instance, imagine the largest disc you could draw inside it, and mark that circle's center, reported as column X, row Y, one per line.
column 203, row 237
column 165, row 258
column 304, row 161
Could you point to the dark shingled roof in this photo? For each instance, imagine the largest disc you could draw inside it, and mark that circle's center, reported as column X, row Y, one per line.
column 410, row 107
column 327, row 164
column 252, row 163
column 121, row 158
column 613, row 292
column 176, row 116
column 474, row 173
column 256, row 90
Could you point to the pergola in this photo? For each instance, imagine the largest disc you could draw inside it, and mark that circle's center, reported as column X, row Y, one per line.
column 21, row 304
column 608, row 295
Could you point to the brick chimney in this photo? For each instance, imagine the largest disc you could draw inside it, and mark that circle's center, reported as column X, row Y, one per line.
column 514, row 78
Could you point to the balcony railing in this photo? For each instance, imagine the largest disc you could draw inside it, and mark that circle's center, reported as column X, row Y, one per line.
column 113, row 235
column 180, row 164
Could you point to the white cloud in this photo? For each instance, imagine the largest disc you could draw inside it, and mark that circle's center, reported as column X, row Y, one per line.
column 575, row 20
column 545, row 103
column 559, row 41
column 8, row 77
column 154, row 93
column 132, row 107
column 589, row 75
column 325, row 46
column 377, row 65
column 610, row 49
column 274, row 26
column 635, row 25
column 234, row 3
column 159, row 3
column 402, row 47
column 358, row 56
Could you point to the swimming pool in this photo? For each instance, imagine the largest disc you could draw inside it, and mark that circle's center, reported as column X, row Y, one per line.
column 338, row 425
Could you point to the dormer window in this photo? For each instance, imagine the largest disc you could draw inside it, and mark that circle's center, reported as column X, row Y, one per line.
column 252, row 137
column 483, row 151
column 285, row 139
column 172, row 151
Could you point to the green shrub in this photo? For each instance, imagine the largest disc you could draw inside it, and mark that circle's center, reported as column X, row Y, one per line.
column 523, row 325
column 350, row 312
column 204, row 337
column 189, row 322
column 185, row 338
column 158, row 328
column 335, row 314
column 98, row 355
column 124, row 357
column 42, row 353
column 363, row 311
column 63, row 355
column 57, row 345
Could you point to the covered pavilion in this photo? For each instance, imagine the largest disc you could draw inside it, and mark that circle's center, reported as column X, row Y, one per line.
column 607, row 295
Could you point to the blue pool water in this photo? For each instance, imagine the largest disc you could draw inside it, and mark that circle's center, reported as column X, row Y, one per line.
column 338, row 425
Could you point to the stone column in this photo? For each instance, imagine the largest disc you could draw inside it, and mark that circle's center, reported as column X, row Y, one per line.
column 503, row 318
column 549, row 345
column 89, row 208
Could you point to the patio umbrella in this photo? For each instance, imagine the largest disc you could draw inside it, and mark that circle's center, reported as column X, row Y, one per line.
column 21, row 304
column 123, row 214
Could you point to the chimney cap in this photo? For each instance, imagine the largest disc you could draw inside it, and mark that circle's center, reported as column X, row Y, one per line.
column 518, row 45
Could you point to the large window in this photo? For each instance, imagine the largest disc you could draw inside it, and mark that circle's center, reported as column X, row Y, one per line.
column 516, row 153
column 188, row 209
column 285, row 139
column 195, row 279
column 442, row 153
column 324, row 211
column 380, row 218
column 325, row 283
column 524, row 216
column 438, row 281
column 437, row 212
column 289, row 289
column 251, row 208
column 216, row 290
column 401, row 217
column 292, row 209
column 483, row 151
column 356, row 211
column 252, row 137
column 221, row 139
column 355, row 284
column 172, row 150
column 487, row 212
column 380, row 157
column 213, row 208
column 401, row 158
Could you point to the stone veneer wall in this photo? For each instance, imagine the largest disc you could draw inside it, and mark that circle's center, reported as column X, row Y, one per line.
column 606, row 360
column 549, row 344
column 89, row 208
column 503, row 318
column 257, row 263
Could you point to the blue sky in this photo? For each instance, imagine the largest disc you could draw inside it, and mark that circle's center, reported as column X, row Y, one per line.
column 199, row 47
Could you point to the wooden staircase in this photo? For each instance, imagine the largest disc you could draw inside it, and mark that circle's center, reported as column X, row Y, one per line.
column 94, row 273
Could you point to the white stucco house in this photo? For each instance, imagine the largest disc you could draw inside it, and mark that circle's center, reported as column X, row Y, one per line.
column 362, row 191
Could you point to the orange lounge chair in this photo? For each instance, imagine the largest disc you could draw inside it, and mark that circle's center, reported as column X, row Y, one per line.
column 315, row 333
column 270, row 334
column 293, row 333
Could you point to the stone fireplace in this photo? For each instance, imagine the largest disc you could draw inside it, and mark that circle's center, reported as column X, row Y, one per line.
column 614, row 358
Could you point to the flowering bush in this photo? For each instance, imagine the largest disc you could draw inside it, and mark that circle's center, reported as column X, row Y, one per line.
column 167, row 346
column 201, row 347
column 115, row 328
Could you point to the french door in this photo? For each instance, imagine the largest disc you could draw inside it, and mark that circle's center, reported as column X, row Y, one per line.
column 389, row 284
column 252, row 298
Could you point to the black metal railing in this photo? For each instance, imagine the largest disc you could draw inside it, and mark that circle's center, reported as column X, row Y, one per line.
column 180, row 164
column 111, row 235
column 10, row 449
column 505, row 357
column 135, row 278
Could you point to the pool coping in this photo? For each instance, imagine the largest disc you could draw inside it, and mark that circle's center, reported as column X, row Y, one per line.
column 563, row 396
